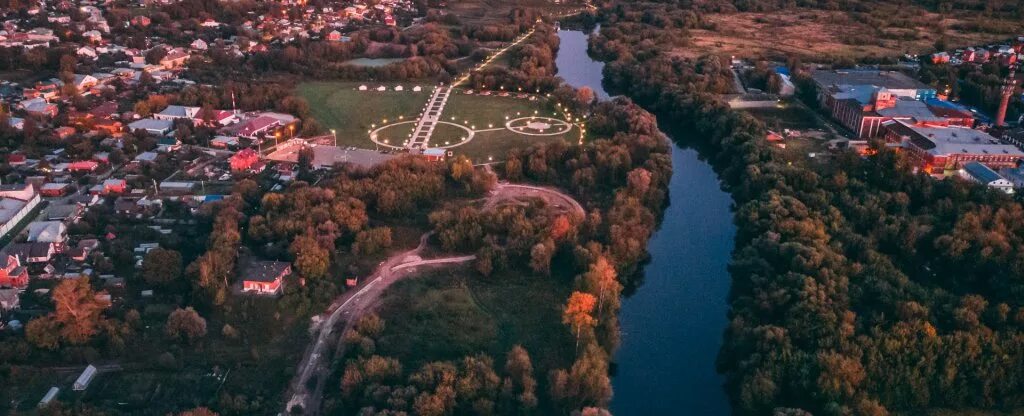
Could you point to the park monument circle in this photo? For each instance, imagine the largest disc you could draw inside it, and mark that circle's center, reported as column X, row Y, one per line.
column 527, row 126
column 538, row 126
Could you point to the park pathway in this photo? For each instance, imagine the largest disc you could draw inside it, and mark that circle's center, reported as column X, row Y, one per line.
column 428, row 121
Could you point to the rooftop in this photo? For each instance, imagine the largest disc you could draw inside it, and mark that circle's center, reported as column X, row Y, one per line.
column 981, row 172
column 886, row 79
column 265, row 271
column 953, row 140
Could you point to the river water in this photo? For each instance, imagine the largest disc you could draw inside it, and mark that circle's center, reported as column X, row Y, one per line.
column 672, row 324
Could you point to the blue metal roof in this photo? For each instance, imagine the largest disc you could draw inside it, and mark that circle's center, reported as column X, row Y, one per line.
column 981, row 172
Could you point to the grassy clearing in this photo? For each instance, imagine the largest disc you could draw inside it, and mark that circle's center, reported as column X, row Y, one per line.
column 448, row 314
column 490, row 112
column 341, row 106
column 352, row 113
column 789, row 116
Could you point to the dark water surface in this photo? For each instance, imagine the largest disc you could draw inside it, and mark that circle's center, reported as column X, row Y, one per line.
column 672, row 325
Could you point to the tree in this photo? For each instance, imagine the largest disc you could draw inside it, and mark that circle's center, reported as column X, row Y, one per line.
column 185, row 324
column 372, row 241
column 560, row 227
column 586, row 383
column 602, row 280
column 199, row 411
column 585, row 95
column 540, row 256
column 578, row 313
column 76, row 317
column 520, row 382
column 161, row 267
column 311, row 260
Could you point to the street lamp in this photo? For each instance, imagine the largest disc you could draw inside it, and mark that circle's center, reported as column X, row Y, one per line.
column 335, row 134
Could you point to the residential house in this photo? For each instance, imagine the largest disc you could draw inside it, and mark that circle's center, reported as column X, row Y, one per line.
column 152, row 126
column 244, row 160
column 265, row 277
column 174, row 112
column 54, row 232
column 33, row 253
column 12, row 273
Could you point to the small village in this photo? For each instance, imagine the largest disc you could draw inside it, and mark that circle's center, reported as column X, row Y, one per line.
column 115, row 166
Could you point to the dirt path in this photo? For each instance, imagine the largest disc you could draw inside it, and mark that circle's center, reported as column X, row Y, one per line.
column 512, row 193
column 313, row 369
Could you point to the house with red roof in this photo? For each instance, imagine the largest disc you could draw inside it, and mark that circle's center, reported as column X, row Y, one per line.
column 12, row 273
column 85, row 166
column 244, row 160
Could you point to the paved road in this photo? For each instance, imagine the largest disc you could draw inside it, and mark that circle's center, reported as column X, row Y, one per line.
column 350, row 306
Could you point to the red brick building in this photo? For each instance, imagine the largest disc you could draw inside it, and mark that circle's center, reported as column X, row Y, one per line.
column 940, row 149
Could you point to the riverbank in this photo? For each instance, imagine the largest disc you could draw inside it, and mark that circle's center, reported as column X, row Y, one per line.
column 672, row 323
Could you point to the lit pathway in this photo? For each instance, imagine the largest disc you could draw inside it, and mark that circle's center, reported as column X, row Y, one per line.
column 428, row 121
column 493, row 57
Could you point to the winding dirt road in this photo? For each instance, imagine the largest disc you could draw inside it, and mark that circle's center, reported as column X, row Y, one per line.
column 306, row 389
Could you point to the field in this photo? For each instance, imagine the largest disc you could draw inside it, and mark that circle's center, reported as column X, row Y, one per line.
column 350, row 112
column 828, row 35
column 448, row 314
column 487, row 116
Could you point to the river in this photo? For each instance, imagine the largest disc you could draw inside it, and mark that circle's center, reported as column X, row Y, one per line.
column 672, row 324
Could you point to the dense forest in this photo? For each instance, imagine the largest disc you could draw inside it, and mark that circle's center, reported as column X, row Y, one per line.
column 859, row 287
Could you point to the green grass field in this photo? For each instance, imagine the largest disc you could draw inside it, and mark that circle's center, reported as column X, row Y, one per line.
column 490, row 112
column 448, row 314
column 350, row 112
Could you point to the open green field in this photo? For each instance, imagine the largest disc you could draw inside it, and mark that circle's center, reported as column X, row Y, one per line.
column 448, row 314
column 339, row 105
column 487, row 116
column 353, row 113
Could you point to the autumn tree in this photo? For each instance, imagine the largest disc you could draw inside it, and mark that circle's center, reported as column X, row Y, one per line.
column 372, row 241
column 198, row 411
column 311, row 260
column 540, row 256
column 579, row 313
column 586, row 383
column 519, row 383
column 601, row 281
column 76, row 317
column 185, row 324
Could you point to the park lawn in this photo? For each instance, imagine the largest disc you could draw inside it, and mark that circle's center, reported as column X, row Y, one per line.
column 791, row 117
column 339, row 105
column 489, row 112
column 448, row 314
column 494, row 145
